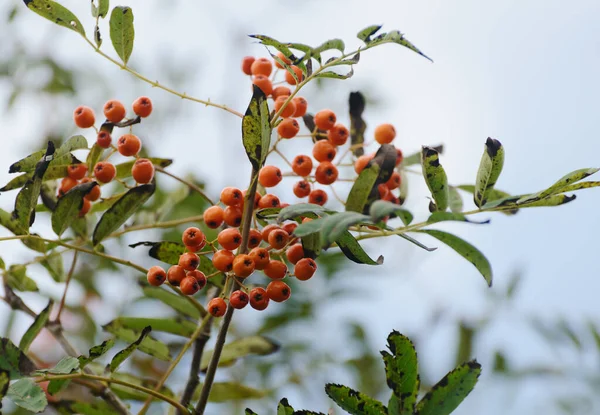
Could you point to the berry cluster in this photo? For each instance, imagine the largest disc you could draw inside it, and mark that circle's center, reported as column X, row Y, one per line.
column 128, row 145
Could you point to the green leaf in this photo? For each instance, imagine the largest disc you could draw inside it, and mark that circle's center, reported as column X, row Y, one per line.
column 175, row 325
column 95, row 352
column 68, row 207
column 309, row 228
column 354, row 252
column 298, row 210
column 13, row 360
column 330, row 44
column 466, row 250
column 415, row 158
column 4, row 382
column 28, row 163
column 126, row 352
column 450, row 216
column 97, row 407
column 356, row 104
column 335, row 75
column 122, row 33
column 435, row 177
column 256, row 129
column 382, row 208
column 27, row 198
column 52, row 173
column 124, row 169
column 28, row 395
column 165, row 251
column 62, row 154
column 18, row 280
column 557, row 187
column 401, row 371
column 101, row 10
column 93, row 157
column 362, row 188
column 119, row 212
column 284, row 407
column 311, row 244
column 448, row 393
column 554, row 200
column 579, row 186
column 126, row 393
column 36, row 327
column 173, row 300
column 336, row 225
column 249, row 411
column 281, row 47
column 490, row 168
column 231, row 391
column 246, row 346
column 148, row 345
column 56, row 13
column 65, row 366
column 367, row 32
column 455, row 200
column 354, row 402
column 396, row 37
column 53, row 262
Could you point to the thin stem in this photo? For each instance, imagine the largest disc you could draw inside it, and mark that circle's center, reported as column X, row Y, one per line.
column 156, row 84
column 68, row 280
column 158, row 225
column 187, row 183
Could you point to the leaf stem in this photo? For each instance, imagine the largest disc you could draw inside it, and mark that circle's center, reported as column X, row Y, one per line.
column 68, row 280
column 158, row 225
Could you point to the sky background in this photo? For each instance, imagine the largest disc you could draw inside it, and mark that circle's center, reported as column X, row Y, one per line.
column 525, row 73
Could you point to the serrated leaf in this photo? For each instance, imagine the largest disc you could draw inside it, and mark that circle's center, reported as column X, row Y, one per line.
column 489, row 170
column 436, row 217
column 56, row 13
column 124, row 169
column 28, row 163
column 36, row 327
column 95, row 352
column 17, row 279
column 65, row 366
column 557, row 187
column 124, row 354
column 401, row 370
column 298, row 210
column 415, row 158
column 354, row 252
column 119, row 212
column 231, row 391
column 284, row 407
column 14, row 361
column 174, row 301
column 448, row 393
column 435, row 177
column 367, row 32
column 455, row 200
column 335, row 225
column 256, row 129
column 53, row 262
column 382, row 208
column 246, row 346
column 174, row 325
column 122, row 33
column 354, row 402
column 466, row 250
column 356, row 107
column 148, row 345
column 68, row 207
column 335, row 75
column 28, row 395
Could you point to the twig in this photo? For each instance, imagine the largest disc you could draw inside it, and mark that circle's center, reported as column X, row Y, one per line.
column 68, row 280
column 187, row 183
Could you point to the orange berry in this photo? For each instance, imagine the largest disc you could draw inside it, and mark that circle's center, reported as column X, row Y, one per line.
column 114, row 111
column 338, row 135
column 84, row 117
column 361, row 163
column 243, row 265
column 288, row 128
column 189, row 286
column 217, row 307
column 394, row 181
column 254, row 238
column 281, row 91
column 232, row 215
column 94, row 194
column 77, row 171
column 156, row 276
column 238, row 299
column 275, row 270
column 260, row 256
column 383, row 190
column 323, row 150
column 301, row 106
column 232, row 196
column 259, row 300
column 301, row 188
column 278, row 291
column 399, row 156
column 129, row 145
column 85, row 207
column 295, row 253
column 230, row 238
column 189, row 261
column 199, row 277
column 213, row 216
column 103, row 139
column 193, row 236
column 302, row 165
column 264, row 83
column 289, row 109
column 66, row 184
column 305, row 269
column 223, row 260
column 325, row 119
column 317, row 197
column 285, row 60
column 326, row 173
column 142, row 171
column 268, row 201
column 104, row 171
column 269, row 176
column 261, row 66
column 385, row 133
column 175, row 275
column 266, row 231
column 290, row 227
column 278, row 238
column 247, row 64
column 142, row 107
column 290, row 79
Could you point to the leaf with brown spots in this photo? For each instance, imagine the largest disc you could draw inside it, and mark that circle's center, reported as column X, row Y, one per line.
column 401, row 372
column 354, row 402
